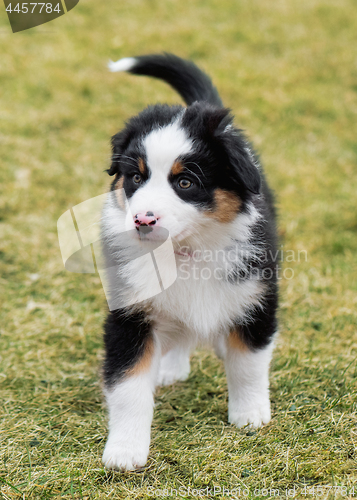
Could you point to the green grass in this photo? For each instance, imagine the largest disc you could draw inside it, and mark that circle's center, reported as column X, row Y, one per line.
column 288, row 71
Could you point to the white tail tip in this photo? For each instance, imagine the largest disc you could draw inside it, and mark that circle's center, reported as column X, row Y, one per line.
column 124, row 64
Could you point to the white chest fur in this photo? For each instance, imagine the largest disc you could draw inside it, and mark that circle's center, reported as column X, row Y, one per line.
column 201, row 298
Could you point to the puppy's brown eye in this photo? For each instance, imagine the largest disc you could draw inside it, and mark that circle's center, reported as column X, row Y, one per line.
column 137, row 178
column 185, row 183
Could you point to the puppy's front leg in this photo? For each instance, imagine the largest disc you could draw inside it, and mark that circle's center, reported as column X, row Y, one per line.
column 248, row 382
column 130, row 371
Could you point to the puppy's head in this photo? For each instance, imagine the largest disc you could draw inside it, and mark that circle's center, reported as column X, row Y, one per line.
column 183, row 169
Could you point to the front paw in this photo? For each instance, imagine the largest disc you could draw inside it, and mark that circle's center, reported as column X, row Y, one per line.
column 255, row 417
column 124, row 456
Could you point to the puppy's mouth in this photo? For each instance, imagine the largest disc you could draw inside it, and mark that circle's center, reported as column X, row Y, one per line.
column 148, row 233
column 143, row 230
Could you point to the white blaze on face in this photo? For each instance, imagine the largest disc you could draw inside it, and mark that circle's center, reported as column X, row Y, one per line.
column 162, row 147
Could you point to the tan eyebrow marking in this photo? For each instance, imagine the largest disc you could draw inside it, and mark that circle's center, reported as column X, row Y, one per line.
column 177, row 168
column 142, row 166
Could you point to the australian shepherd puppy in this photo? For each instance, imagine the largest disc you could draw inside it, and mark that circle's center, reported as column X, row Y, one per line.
column 189, row 235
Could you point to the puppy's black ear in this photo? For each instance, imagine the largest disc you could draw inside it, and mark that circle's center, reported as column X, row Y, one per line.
column 217, row 120
column 205, row 120
column 215, row 125
column 119, row 142
column 241, row 160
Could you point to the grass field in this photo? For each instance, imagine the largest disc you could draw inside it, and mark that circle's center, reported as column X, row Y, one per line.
column 288, row 70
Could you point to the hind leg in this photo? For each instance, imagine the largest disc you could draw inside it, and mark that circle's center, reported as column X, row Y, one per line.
column 176, row 345
column 174, row 365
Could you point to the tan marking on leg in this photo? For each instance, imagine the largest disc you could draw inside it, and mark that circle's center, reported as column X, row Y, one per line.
column 144, row 363
column 235, row 341
column 142, row 166
column 227, row 205
column 177, row 168
column 119, row 193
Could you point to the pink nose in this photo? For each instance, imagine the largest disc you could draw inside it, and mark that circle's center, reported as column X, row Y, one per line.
column 147, row 219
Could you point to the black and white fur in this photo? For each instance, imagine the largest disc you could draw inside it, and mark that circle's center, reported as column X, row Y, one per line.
column 196, row 175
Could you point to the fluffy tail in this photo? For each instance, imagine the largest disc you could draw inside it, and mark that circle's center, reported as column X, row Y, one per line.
column 184, row 76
